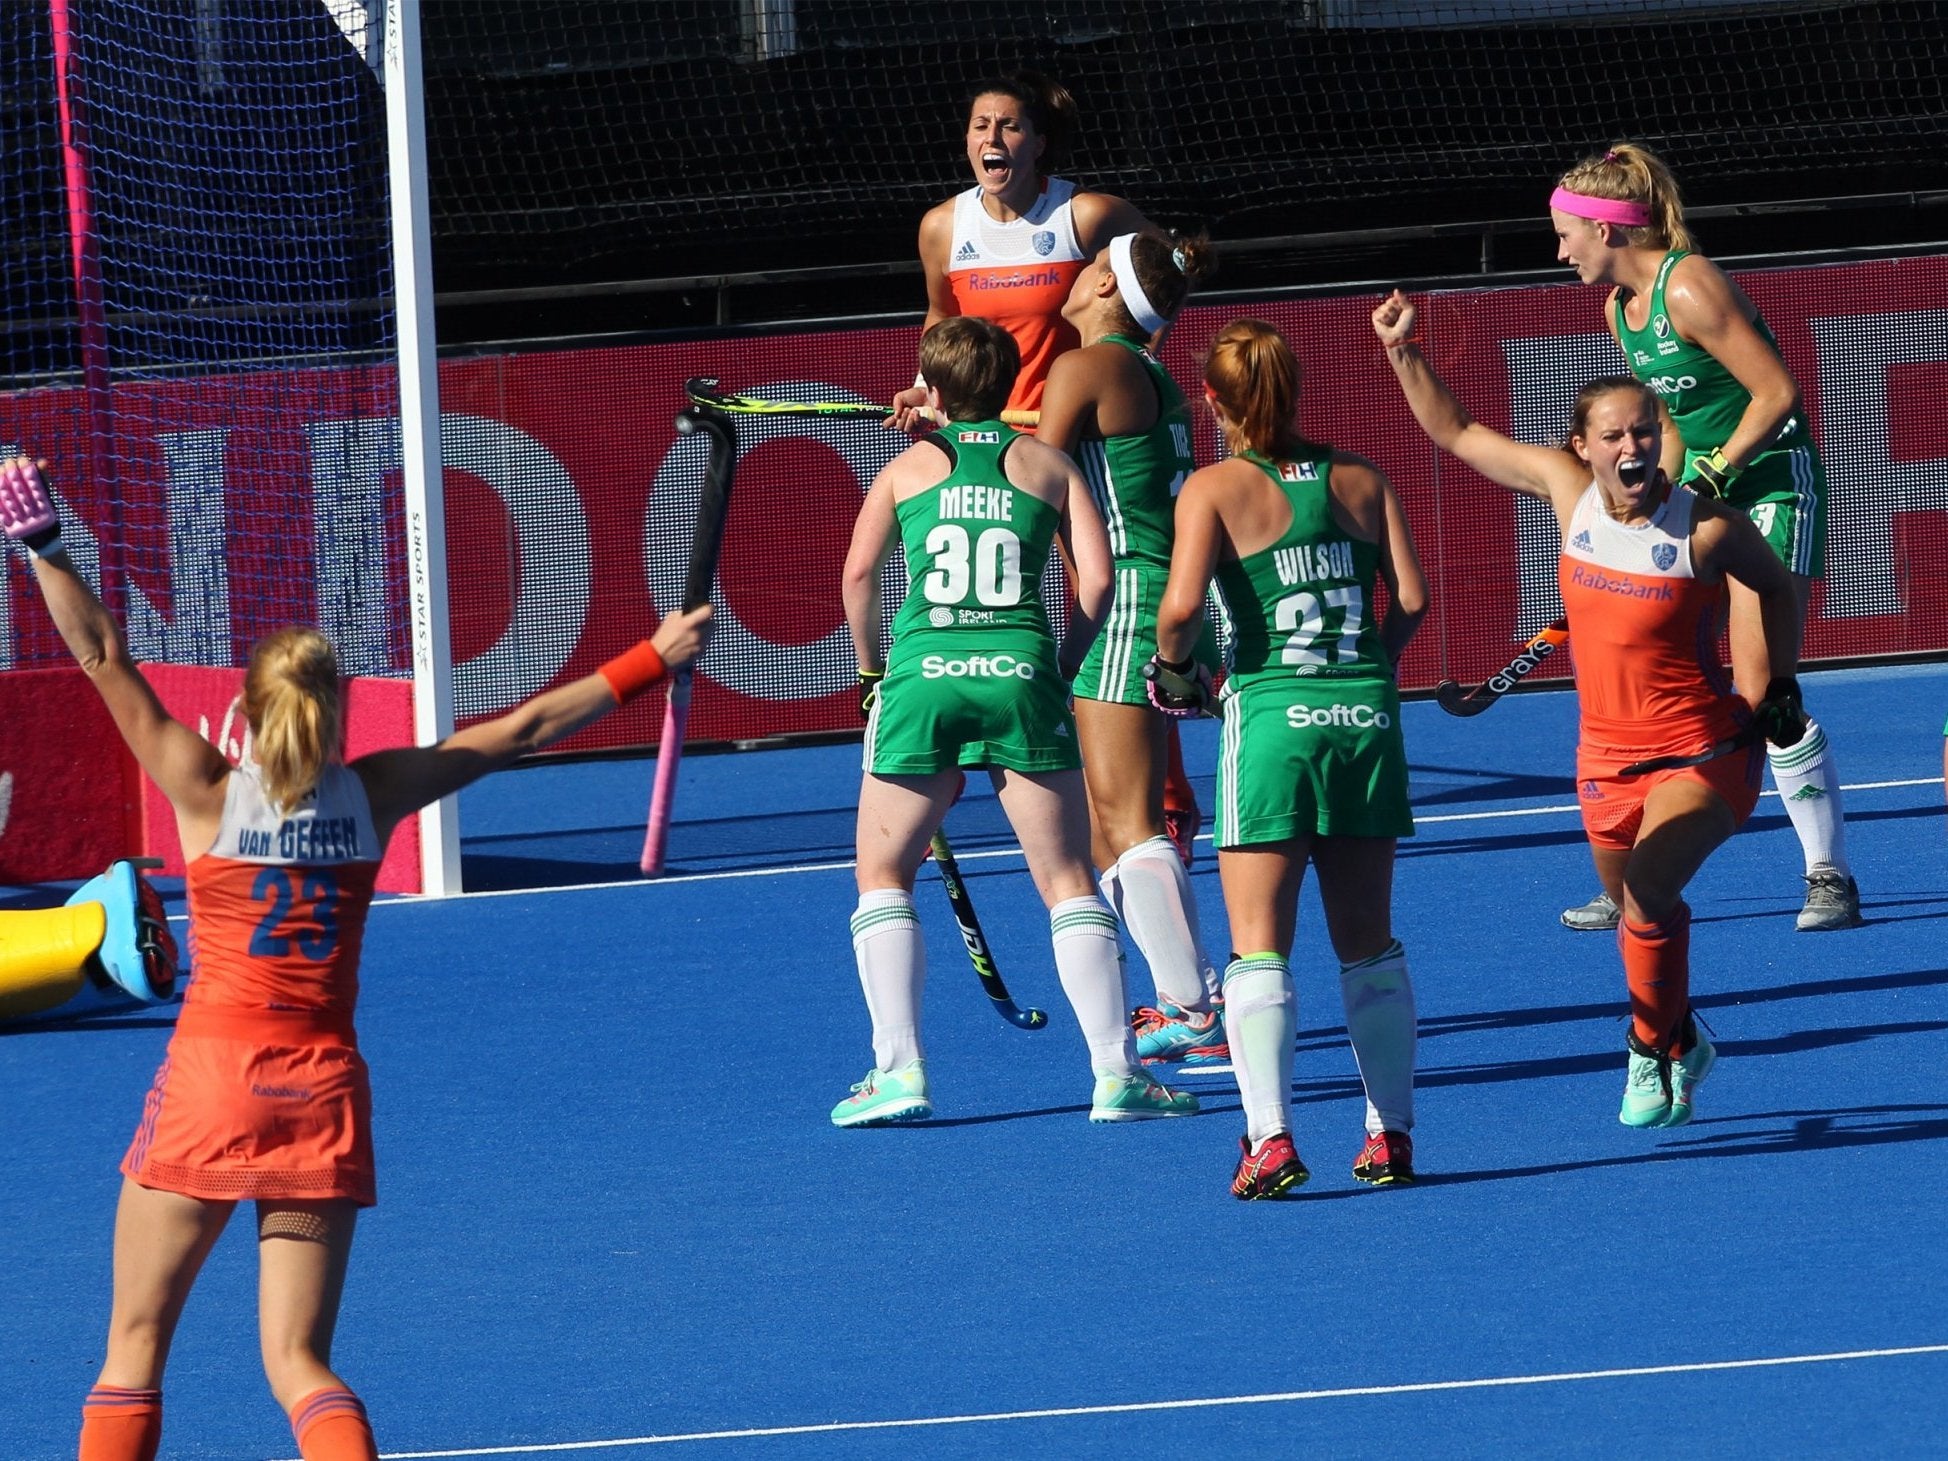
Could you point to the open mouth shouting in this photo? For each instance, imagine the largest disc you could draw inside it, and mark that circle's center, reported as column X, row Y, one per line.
column 1631, row 471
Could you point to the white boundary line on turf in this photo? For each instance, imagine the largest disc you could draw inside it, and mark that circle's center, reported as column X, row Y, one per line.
column 1281, row 1397
column 978, row 856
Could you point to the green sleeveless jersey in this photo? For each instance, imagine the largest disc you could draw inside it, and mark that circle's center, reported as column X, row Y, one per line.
column 975, row 544
column 1704, row 398
column 1135, row 478
column 1304, row 606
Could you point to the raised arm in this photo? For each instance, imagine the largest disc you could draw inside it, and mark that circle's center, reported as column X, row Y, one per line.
column 399, row 782
column 188, row 769
column 1539, row 471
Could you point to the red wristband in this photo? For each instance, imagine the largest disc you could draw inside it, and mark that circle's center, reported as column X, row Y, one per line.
column 633, row 671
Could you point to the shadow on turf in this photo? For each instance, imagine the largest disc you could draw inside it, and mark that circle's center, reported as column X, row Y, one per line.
column 1807, row 1131
column 1328, row 1036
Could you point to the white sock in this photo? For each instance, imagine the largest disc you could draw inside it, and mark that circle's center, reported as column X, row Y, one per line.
column 1261, row 1018
column 1150, row 893
column 892, row 970
column 1083, row 931
column 1379, row 999
column 1809, row 785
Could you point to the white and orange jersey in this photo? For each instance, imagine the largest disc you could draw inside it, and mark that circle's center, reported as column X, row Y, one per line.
column 1018, row 274
column 277, row 905
column 1643, row 629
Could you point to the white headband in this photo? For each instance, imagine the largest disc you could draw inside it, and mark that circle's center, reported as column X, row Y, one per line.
column 1130, row 287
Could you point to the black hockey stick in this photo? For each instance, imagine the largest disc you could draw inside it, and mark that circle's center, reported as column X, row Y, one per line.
column 1457, row 701
column 977, row 944
column 1730, row 746
column 713, row 507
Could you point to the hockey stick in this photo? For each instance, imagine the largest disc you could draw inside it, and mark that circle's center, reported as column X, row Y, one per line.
column 977, row 943
column 1730, row 746
column 702, row 390
column 713, row 506
column 1456, row 701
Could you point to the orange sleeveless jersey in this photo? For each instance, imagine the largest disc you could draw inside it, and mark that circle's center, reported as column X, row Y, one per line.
column 1644, row 633
column 263, row 1093
column 1018, row 274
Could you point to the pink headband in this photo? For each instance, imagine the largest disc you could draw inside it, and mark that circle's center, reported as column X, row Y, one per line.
column 1601, row 210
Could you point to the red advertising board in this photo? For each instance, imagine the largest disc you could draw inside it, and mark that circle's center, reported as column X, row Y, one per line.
column 246, row 501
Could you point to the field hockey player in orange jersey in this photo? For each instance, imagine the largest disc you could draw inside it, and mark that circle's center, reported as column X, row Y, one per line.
column 1643, row 570
column 1009, row 249
column 262, row 1094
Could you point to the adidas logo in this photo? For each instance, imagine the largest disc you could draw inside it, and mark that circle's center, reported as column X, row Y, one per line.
column 967, row 252
column 1581, row 540
column 1806, row 794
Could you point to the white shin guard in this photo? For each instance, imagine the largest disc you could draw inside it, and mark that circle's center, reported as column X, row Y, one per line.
column 1809, row 785
column 1150, row 893
column 1089, row 963
column 1261, row 1018
column 892, row 959
column 1380, row 1021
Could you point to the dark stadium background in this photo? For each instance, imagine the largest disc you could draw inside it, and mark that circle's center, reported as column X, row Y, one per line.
column 594, row 156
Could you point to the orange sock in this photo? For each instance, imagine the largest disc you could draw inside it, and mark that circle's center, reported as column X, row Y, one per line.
column 1177, row 795
column 330, row 1425
column 121, row 1425
column 1657, row 967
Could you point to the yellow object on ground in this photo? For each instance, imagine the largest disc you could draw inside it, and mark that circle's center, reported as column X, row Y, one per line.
column 43, row 952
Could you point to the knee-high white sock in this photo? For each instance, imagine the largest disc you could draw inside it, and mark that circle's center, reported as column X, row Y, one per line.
column 1379, row 998
column 1150, row 893
column 1261, row 1019
column 892, row 970
column 1809, row 785
column 1083, row 931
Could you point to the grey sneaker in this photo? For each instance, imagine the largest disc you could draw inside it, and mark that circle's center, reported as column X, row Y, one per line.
column 1832, row 901
column 1595, row 916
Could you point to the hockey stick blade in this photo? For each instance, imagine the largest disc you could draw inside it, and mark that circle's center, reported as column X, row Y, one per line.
column 978, row 953
column 706, row 541
column 1458, row 701
column 1730, row 746
column 703, row 391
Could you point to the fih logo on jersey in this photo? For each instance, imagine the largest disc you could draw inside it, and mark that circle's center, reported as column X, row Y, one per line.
column 979, row 438
column 1664, row 555
column 1298, row 471
column 968, row 253
column 1043, row 242
column 1581, row 540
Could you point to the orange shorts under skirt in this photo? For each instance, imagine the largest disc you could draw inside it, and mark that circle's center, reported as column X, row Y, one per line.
column 1613, row 806
column 257, row 1104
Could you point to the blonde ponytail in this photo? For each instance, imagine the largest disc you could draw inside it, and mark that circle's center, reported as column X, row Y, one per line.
column 1630, row 173
column 291, row 702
